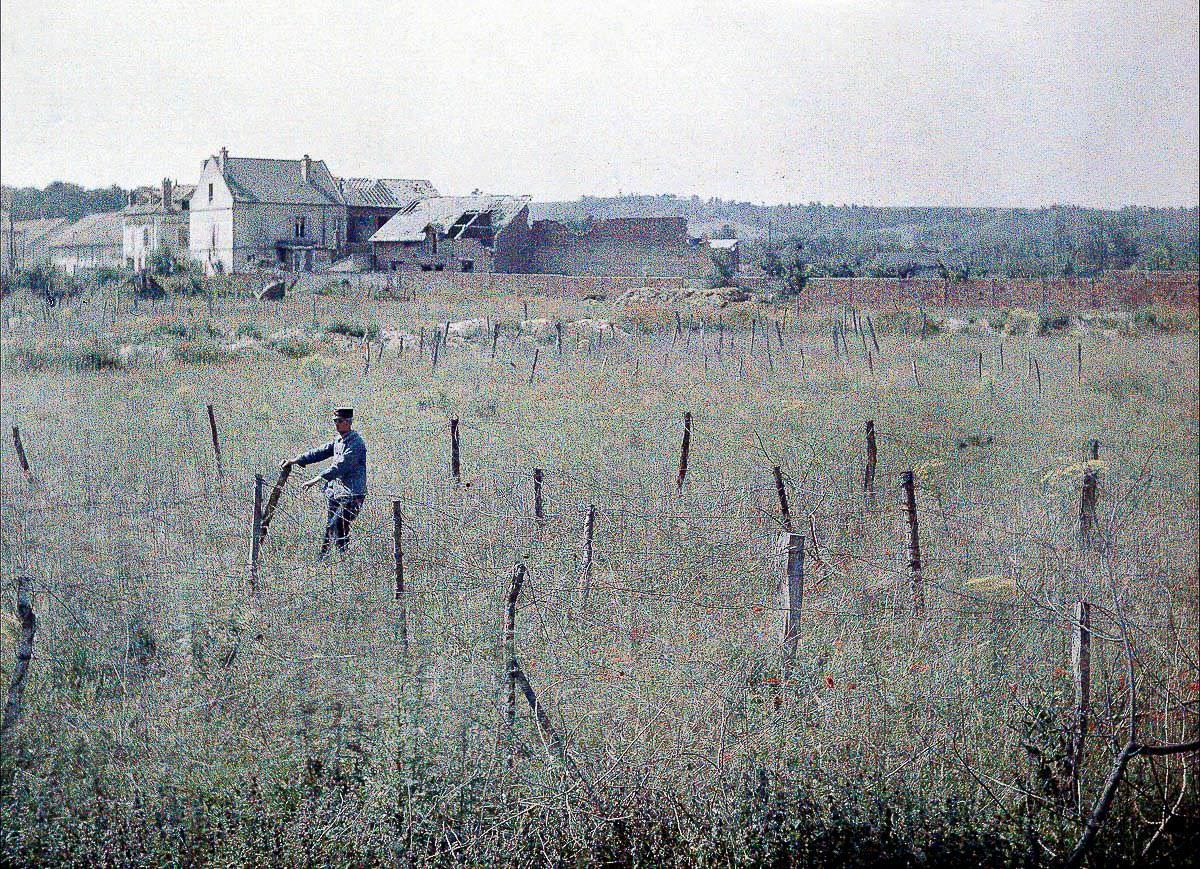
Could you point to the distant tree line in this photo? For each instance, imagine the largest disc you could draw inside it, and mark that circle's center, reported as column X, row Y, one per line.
column 62, row 199
column 954, row 243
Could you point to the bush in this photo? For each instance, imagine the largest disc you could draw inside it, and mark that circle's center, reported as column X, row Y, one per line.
column 106, row 275
column 1054, row 324
column 39, row 356
column 248, row 330
column 1159, row 318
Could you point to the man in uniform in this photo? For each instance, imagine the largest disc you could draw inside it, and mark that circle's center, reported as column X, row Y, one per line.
column 345, row 481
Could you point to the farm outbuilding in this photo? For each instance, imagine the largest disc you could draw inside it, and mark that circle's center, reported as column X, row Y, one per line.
column 476, row 233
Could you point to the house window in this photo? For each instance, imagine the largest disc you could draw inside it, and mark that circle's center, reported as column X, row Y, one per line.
column 298, row 227
column 210, row 194
column 468, row 266
column 146, row 237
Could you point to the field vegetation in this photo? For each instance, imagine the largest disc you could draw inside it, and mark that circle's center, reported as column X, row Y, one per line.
column 184, row 706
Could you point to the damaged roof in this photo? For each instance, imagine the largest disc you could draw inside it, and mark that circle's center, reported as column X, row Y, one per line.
column 446, row 212
column 281, row 182
column 384, row 192
column 150, row 199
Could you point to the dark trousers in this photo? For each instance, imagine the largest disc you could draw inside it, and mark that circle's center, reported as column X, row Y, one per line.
column 340, row 512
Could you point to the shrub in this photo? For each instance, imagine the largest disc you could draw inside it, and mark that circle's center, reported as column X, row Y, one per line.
column 1054, row 324
column 248, row 330
column 1158, row 318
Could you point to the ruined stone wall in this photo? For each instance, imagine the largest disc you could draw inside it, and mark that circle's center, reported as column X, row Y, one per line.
column 629, row 246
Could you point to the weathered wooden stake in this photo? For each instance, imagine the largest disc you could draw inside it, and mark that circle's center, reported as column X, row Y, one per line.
column 455, row 462
column 1089, row 497
column 256, row 533
column 684, row 450
column 916, row 377
column 781, row 493
column 793, row 546
column 21, row 458
column 1037, row 370
column 510, row 651
column 533, row 367
column 216, row 443
column 28, row 628
column 874, row 340
column 558, row 338
column 437, row 343
column 869, row 471
column 589, row 534
column 495, row 338
column 914, row 544
column 538, row 509
column 1081, row 664
column 1079, row 363
column 273, row 500
column 551, row 738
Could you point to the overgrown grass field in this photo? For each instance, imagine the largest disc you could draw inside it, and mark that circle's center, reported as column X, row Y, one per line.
column 178, row 714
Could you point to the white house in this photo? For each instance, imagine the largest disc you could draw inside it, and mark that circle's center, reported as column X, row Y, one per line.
column 249, row 213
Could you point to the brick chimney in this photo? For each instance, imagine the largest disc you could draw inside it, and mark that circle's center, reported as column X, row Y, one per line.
column 305, row 168
column 223, row 159
column 166, row 194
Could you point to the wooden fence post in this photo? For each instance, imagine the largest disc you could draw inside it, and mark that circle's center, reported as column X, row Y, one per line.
column 510, row 652
column 872, row 459
column 538, row 507
column 495, row 338
column 914, row 544
column 455, row 462
column 1037, row 370
column 1079, row 363
column 781, row 494
column 28, row 628
column 589, row 536
column 273, row 500
column 1081, row 664
column 21, row 458
column 216, row 443
column 256, row 533
column 558, row 338
column 793, row 546
column 398, row 560
column 1089, row 496
column 871, row 327
column 916, row 378
column 684, row 450
column 533, row 367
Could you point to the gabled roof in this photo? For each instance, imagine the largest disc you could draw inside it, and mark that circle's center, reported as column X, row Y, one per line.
column 384, row 192
column 33, row 230
column 254, row 179
column 94, row 229
column 447, row 213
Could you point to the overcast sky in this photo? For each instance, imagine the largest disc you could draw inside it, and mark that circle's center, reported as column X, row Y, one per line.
column 839, row 101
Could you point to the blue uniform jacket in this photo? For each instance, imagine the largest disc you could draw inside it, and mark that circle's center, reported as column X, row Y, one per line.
column 349, row 468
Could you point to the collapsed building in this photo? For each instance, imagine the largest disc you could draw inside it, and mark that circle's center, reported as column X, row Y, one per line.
column 456, row 233
column 156, row 219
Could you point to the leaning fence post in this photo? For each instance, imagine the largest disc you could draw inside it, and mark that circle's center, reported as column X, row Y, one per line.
column 533, row 367
column 510, row 652
column 256, row 533
column 589, row 535
column 455, row 463
column 781, row 494
column 1088, row 497
column 28, row 627
column 216, row 443
column 1081, row 663
column 273, row 500
column 398, row 560
column 793, row 547
column 914, row 544
column 538, row 507
column 684, row 450
column 20, row 447
column 872, row 458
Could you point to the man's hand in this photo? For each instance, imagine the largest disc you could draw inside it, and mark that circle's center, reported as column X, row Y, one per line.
column 286, row 463
column 308, row 484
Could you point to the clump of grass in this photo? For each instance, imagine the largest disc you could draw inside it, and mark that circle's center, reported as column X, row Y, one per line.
column 1017, row 321
column 172, row 327
column 291, row 344
column 333, row 288
column 1055, row 324
column 200, row 352
column 248, row 330
column 352, row 329
column 1159, row 318
column 908, row 321
column 39, row 356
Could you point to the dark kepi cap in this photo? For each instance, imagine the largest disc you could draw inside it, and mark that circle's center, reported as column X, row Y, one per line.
column 346, row 413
